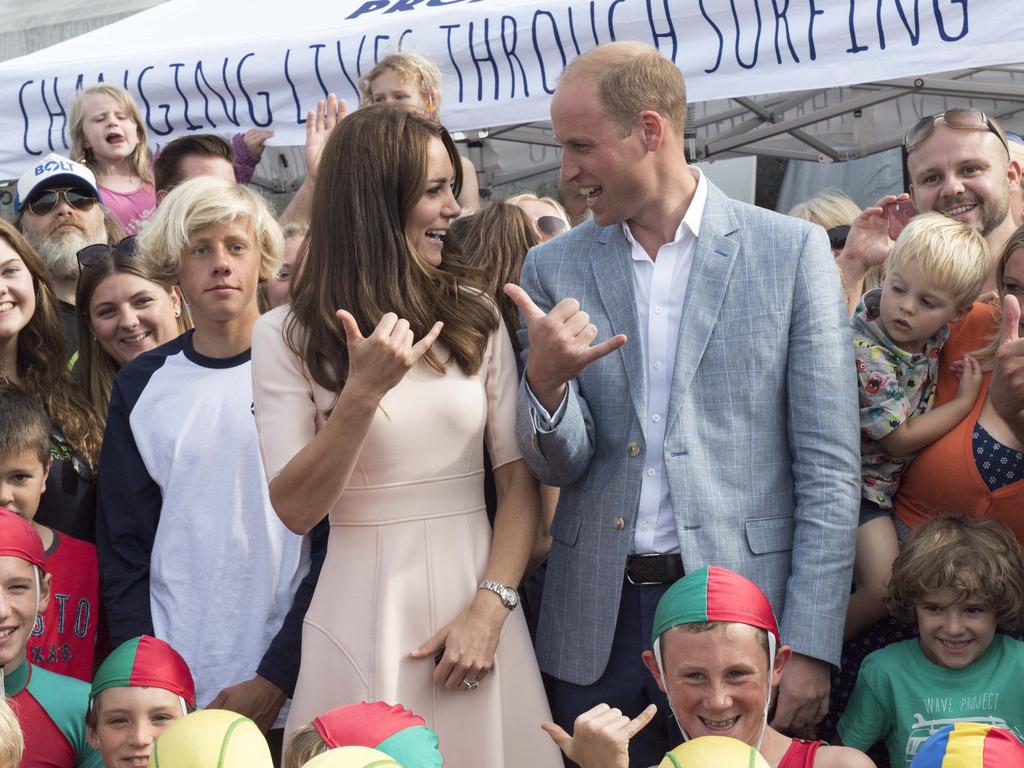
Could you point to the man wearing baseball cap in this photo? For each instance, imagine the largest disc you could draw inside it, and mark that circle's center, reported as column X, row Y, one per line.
column 51, row 708
column 718, row 656
column 58, row 210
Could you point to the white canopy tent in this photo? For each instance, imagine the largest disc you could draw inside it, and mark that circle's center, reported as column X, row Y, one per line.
column 197, row 65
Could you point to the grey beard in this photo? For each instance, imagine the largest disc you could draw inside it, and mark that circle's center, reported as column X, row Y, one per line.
column 60, row 255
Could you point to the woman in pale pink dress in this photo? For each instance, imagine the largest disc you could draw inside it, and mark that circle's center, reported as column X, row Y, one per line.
column 376, row 391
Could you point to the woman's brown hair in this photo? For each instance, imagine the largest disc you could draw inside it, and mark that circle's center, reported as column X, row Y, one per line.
column 96, row 368
column 495, row 241
column 986, row 357
column 358, row 257
column 41, row 358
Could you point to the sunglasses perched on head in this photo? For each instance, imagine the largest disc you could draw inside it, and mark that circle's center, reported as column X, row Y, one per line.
column 47, row 200
column 93, row 253
column 960, row 118
column 551, row 225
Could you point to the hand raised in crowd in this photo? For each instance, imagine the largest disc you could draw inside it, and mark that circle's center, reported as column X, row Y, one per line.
column 1006, row 390
column 258, row 699
column 560, row 345
column 466, row 644
column 600, row 736
column 256, row 140
column 803, row 696
column 868, row 245
column 377, row 362
column 319, row 124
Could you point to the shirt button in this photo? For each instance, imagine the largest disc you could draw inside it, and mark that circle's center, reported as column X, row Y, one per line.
column 658, row 310
column 657, row 365
column 650, row 473
column 618, row 523
column 633, row 449
column 645, row 527
column 655, row 418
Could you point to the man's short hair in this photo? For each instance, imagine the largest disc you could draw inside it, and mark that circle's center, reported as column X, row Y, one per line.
column 167, row 166
column 631, row 78
column 948, row 251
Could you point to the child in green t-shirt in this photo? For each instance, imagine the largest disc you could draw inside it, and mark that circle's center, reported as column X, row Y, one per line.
column 962, row 580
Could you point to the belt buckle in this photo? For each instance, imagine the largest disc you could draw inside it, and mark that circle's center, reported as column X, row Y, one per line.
column 644, row 556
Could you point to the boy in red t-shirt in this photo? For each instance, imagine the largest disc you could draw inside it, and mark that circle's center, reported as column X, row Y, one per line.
column 64, row 637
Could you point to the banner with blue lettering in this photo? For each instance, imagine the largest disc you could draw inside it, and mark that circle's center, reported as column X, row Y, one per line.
column 208, row 66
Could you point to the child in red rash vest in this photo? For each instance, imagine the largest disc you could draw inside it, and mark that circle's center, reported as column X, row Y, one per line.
column 64, row 636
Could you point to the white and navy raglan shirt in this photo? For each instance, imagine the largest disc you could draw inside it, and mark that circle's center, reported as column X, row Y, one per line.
column 190, row 548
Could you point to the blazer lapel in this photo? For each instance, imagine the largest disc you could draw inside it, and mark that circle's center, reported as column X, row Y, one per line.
column 613, row 274
column 713, row 261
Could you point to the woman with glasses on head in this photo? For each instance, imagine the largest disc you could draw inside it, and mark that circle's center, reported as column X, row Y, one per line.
column 125, row 305
column 547, row 216
column 32, row 355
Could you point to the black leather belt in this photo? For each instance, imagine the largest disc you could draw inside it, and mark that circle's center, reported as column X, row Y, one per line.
column 653, row 569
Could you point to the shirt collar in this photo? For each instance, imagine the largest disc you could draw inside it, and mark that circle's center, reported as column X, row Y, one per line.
column 690, row 225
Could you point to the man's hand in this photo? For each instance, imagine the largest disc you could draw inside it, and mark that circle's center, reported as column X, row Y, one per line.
column 255, row 140
column 803, row 695
column 560, row 345
column 319, row 124
column 868, row 244
column 1006, row 389
column 258, row 699
column 600, row 736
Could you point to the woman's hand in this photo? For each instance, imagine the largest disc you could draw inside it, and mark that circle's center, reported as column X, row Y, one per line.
column 467, row 643
column 377, row 362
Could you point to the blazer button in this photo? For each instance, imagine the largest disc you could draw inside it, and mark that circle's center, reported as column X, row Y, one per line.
column 618, row 523
column 633, row 449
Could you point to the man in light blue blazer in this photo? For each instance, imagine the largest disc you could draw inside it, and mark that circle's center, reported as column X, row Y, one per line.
column 690, row 386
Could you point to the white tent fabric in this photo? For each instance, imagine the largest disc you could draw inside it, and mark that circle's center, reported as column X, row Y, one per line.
column 204, row 65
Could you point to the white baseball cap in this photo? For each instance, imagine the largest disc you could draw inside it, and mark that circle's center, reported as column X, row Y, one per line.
column 53, row 171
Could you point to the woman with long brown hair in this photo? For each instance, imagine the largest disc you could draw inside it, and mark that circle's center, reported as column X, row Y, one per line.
column 32, row 356
column 375, row 392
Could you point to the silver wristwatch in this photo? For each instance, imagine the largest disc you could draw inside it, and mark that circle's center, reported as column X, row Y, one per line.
column 509, row 597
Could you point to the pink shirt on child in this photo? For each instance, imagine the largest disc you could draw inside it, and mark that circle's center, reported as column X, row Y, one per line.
column 132, row 209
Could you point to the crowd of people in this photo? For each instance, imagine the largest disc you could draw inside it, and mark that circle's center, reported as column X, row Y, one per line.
column 397, row 478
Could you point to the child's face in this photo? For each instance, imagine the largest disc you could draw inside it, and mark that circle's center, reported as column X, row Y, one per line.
column 128, row 720
column 18, row 607
column 389, row 88
column 22, row 482
column 955, row 632
column 220, row 273
column 914, row 308
column 108, row 128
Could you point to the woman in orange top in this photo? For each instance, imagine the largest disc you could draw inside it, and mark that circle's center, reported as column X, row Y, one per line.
column 978, row 468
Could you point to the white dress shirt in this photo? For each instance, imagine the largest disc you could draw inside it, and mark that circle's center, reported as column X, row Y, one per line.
column 660, row 287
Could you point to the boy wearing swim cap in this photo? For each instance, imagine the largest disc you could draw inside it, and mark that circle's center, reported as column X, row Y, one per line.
column 50, row 707
column 138, row 691
column 719, row 657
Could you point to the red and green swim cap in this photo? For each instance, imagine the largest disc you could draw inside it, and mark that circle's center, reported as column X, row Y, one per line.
column 393, row 730
column 714, row 594
column 145, row 661
column 19, row 539
column 970, row 745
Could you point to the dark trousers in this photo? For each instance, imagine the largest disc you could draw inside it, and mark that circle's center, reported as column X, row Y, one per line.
column 626, row 683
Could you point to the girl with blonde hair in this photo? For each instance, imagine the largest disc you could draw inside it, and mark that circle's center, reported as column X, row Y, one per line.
column 109, row 135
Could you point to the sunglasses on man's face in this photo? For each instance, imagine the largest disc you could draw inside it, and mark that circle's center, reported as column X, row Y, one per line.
column 93, row 253
column 551, row 225
column 47, row 200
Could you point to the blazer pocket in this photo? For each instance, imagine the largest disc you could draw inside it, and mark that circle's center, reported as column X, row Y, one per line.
column 769, row 534
column 565, row 528
column 768, row 323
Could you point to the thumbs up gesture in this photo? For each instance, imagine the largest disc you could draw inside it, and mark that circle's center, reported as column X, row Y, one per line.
column 377, row 362
column 1006, row 389
column 560, row 345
